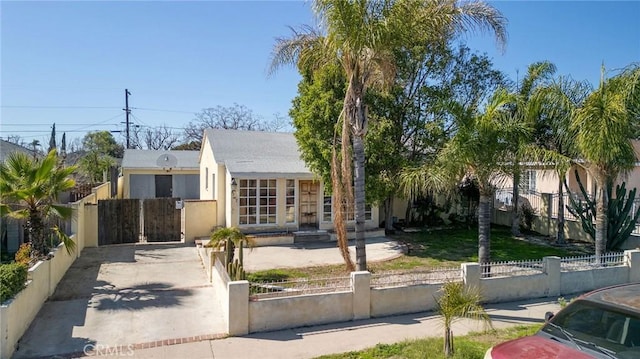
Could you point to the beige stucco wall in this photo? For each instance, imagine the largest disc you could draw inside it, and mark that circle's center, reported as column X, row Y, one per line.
column 403, row 299
column 199, row 218
column 582, row 281
column 505, row 289
column 17, row 314
column 293, row 312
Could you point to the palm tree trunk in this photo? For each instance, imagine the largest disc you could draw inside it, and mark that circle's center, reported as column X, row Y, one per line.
column 484, row 229
column 601, row 222
column 515, row 219
column 560, row 234
column 448, row 342
column 358, row 154
column 35, row 231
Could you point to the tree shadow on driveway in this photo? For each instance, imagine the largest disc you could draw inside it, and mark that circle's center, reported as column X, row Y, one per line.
column 149, row 295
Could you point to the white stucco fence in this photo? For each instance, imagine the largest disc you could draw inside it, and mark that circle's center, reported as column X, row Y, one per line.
column 244, row 315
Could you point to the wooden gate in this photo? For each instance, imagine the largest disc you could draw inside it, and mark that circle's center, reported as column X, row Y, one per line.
column 118, row 221
column 162, row 221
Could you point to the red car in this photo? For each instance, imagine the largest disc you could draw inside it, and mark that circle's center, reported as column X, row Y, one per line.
column 604, row 323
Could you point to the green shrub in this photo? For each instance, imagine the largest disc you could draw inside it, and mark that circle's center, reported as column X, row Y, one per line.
column 13, row 277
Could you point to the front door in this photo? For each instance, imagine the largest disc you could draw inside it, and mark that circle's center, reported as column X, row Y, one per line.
column 308, row 214
column 164, row 184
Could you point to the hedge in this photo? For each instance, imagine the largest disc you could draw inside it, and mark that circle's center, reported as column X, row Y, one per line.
column 13, row 277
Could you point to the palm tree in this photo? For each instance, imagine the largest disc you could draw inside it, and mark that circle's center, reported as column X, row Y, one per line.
column 30, row 188
column 559, row 101
column 361, row 36
column 458, row 302
column 604, row 125
column 476, row 151
column 526, row 109
column 230, row 238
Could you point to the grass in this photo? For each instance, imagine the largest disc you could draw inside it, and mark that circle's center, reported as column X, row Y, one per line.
column 470, row 346
column 437, row 248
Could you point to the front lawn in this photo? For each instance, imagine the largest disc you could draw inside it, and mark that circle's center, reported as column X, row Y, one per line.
column 470, row 346
column 435, row 248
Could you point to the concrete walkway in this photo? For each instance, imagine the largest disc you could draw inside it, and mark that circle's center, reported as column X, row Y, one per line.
column 126, row 295
column 316, row 254
column 310, row 342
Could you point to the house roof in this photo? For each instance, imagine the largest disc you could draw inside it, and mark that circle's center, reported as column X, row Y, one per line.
column 7, row 148
column 158, row 159
column 257, row 153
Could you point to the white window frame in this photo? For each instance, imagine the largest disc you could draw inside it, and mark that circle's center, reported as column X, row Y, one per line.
column 257, row 201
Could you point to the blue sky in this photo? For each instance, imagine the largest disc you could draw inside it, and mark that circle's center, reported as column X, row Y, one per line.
column 69, row 62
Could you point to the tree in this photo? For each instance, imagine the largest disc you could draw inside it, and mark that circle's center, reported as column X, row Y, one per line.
column 228, row 239
column 603, row 127
column 52, row 140
column 476, row 151
column 559, row 101
column 527, row 109
column 361, row 37
column 30, row 188
column 457, row 302
column 236, row 117
column 154, row 138
column 101, row 150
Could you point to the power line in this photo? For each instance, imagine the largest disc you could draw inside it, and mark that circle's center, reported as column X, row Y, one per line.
column 161, row 110
column 62, row 107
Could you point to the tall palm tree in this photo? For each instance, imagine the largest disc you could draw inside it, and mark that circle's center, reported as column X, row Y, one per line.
column 458, row 302
column 604, row 125
column 477, row 150
column 361, row 36
column 527, row 109
column 29, row 190
column 559, row 101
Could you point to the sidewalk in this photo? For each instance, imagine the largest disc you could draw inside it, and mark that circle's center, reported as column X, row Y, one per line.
column 310, row 342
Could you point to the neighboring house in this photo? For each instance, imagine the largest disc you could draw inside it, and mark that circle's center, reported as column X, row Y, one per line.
column 11, row 231
column 158, row 174
column 260, row 183
column 536, row 178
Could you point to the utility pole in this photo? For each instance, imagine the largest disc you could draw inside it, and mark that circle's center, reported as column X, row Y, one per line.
column 127, row 112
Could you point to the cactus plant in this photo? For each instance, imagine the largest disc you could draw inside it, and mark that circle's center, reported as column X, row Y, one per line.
column 621, row 221
column 228, row 238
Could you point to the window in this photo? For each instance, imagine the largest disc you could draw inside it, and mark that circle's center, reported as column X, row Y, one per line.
column 528, row 181
column 290, row 201
column 257, row 201
column 327, row 213
column 206, row 178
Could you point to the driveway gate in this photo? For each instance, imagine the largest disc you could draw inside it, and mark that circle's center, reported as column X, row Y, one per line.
column 124, row 221
column 118, row 221
column 162, row 221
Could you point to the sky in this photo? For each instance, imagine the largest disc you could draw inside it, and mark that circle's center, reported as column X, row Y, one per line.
column 69, row 63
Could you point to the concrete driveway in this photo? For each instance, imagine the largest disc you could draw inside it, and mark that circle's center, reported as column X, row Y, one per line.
column 126, row 295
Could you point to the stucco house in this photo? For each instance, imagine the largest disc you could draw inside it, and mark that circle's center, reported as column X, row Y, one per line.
column 260, row 184
column 159, row 173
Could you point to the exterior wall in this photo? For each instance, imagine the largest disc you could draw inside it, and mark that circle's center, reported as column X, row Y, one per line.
column 141, row 183
column 206, row 163
column 362, row 301
column 582, row 281
column 295, row 311
column 198, row 219
column 403, row 299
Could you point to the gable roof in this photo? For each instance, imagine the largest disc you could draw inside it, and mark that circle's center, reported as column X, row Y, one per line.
column 257, row 154
column 6, row 148
column 158, row 159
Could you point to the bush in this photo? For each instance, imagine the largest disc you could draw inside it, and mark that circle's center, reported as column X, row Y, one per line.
column 23, row 255
column 13, row 277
